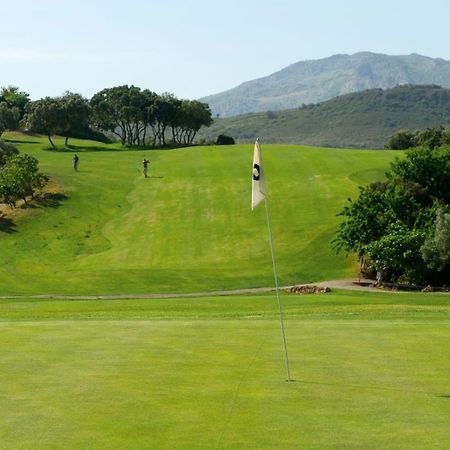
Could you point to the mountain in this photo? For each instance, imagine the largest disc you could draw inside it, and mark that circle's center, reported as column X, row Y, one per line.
column 318, row 80
column 358, row 120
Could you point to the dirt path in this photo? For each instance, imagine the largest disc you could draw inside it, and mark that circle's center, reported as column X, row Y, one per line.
column 334, row 284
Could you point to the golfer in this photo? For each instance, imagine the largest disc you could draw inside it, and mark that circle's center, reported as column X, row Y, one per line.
column 145, row 164
column 75, row 162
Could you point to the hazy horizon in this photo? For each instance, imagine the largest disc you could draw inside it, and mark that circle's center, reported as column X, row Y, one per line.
column 194, row 48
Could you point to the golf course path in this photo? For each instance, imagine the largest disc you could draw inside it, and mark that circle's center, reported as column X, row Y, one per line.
column 348, row 284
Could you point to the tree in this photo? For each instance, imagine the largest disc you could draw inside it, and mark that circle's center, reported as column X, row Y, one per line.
column 188, row 116
column 106, row 109
column 15, row 99
column 9, row 117
column 75, row 112
column 166, row 110
column 432, row 137
column 45, row 116
column 397, row 253
column 197, row 115
column 402, row 140
column 429, row 168
column 124, row 111
column 6, row 151
column 20, row 178
column 436, row 249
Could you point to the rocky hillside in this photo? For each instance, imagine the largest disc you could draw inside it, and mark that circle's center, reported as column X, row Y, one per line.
column 317, row 80
column 359, row 120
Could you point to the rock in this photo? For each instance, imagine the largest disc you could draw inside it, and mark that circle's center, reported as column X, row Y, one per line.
column 307, row 289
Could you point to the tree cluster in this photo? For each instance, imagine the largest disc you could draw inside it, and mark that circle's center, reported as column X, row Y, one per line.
column 133, row 114
column 432, row 137
column 136, row 117
column 401, row 227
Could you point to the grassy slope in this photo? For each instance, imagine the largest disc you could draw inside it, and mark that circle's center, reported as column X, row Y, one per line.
column 187, row 228
column 370, row 370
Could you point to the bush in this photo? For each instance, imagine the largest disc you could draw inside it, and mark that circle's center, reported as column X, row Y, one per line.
column 223, row 139
column 402, row 226
column 401, row 140
column 19, row 178
column 6, row 150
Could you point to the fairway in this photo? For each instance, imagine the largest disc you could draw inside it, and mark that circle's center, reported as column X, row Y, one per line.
column 370, row 370
column 187, row 228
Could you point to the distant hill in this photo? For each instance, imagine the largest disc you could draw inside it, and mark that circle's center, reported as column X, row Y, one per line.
column 318, row 80
column 359, row 120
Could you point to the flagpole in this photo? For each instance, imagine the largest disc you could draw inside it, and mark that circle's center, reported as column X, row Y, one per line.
column 280, row 310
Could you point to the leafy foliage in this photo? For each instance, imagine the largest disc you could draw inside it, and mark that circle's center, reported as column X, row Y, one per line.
column 436, row 249
column 129, row 113
column 67, row 115
column 401, row 140
column 20, row 178
column 45, row 116
column 223, row 139
column 432, row 137
column 6, row 150
column 15, row 99
column 388, row 225
column 75, row 112
column 9, row 117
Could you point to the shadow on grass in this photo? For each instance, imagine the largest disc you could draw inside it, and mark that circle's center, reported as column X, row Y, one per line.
column 51, row 199
column 47, row 200
column 82, row 149
column 73, row 148
column 19, row 141
column 7, row 225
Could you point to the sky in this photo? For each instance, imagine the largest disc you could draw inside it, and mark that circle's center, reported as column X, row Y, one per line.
column 194, row 48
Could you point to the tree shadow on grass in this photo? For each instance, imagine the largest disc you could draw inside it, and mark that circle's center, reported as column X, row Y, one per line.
column 92, row 148
column 73, row 148
column 51, row 199
column 7, row 225
column 46, row 200
column 19, row 141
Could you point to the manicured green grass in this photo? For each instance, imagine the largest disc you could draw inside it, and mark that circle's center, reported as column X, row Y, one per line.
column 371, row 370
column 188, row 227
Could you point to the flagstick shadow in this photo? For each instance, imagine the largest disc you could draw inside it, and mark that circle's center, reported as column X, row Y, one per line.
column 365, row 386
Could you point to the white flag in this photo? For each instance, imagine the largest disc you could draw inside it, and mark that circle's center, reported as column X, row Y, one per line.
column 258, row 180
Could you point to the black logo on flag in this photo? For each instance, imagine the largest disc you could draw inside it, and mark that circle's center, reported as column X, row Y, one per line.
column 256, row 172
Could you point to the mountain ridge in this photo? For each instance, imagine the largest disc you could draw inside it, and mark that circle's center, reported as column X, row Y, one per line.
column 357, row 120
column 314, row 81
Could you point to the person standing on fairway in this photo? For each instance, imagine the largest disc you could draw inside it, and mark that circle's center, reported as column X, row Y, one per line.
column 75, row 162
column 145, row 164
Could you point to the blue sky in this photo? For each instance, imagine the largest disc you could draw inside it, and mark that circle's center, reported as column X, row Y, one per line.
column 194, row 48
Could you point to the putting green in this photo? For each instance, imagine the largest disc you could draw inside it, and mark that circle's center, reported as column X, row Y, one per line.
column 370, row 370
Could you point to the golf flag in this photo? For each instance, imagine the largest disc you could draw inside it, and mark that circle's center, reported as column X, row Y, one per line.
column 258, row 180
